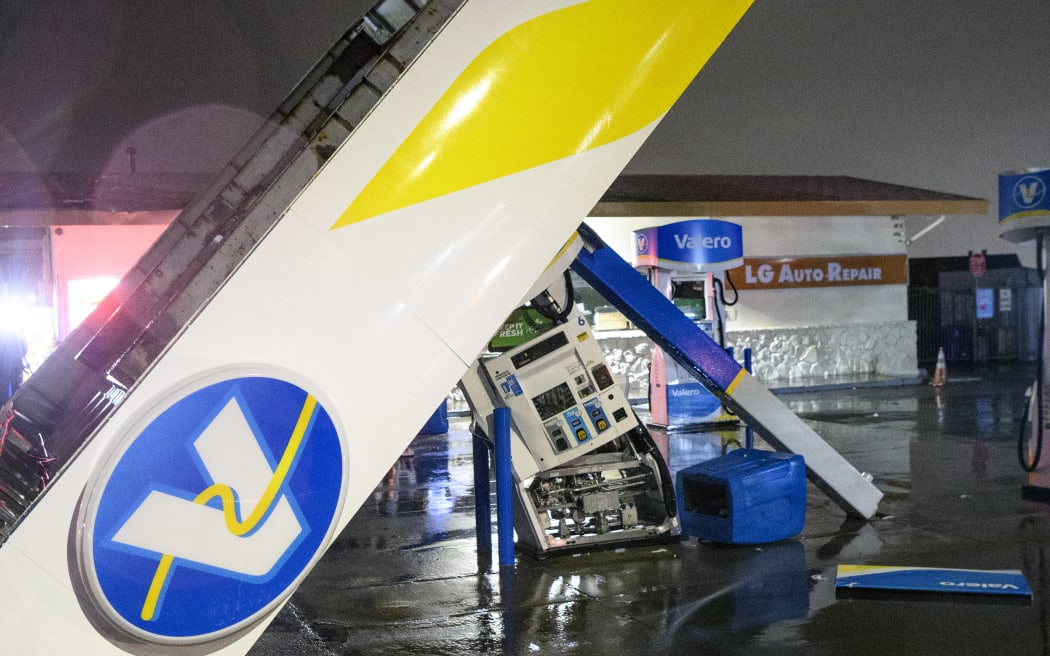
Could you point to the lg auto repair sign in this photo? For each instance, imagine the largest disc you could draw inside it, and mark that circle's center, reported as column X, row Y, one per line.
column 828, row 271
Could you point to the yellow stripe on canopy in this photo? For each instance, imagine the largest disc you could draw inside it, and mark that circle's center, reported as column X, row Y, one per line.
column 556, row 85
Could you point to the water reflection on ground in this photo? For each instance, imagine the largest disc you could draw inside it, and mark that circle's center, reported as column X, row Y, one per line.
column 404, row 577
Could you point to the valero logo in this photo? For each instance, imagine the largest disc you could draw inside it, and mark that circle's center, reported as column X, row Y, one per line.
column 1029, row 191
column 214, row 510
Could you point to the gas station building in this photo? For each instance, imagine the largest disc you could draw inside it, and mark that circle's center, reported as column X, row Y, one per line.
column 823, row 284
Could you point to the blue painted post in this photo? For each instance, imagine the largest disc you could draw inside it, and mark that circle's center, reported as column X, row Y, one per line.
column 482, row 503
column 504, row 489
column 749, row 433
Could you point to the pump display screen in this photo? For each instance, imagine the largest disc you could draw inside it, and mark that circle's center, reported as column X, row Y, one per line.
column 537, row 351
column 554, row 401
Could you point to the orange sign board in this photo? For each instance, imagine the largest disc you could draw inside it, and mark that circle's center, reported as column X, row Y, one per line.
column 825, row 271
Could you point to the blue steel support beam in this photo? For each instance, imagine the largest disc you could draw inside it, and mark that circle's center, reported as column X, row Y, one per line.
column 482, row 503
column 717, row 371
column 504, row 489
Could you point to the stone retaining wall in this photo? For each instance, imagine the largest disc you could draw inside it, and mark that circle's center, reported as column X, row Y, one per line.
column 789, row 355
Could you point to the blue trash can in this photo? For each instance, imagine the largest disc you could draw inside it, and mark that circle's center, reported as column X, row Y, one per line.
column 748, row 496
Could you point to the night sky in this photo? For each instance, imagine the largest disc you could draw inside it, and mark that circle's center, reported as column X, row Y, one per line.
column 939, row 94
column 184, row 82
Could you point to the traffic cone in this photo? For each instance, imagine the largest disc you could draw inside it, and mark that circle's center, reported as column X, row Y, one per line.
column 940, row 374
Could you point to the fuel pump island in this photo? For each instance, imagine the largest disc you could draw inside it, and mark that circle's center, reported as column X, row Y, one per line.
column 1024, row 217
column 688, row 262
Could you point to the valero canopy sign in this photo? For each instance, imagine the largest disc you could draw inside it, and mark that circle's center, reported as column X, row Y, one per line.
column 695, row 245
column 1024, row 204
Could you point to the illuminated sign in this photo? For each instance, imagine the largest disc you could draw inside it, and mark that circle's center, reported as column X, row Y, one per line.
column 985, row 303
column 1024, row 194
column 697, row 245
column 827, row 271
column 214, row 511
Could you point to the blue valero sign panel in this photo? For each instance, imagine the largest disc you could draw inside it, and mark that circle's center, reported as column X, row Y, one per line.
column 694, row 245
column 858, row 578
column 1024, row 204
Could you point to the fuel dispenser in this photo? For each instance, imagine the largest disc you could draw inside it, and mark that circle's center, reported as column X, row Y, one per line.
column 689, row 263
column 1024, row 217
column 586, row 471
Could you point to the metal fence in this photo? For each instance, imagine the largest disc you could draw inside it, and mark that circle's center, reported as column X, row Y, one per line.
column 998, row 321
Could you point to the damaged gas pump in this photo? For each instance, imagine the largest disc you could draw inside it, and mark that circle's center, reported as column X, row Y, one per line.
column 587, row 472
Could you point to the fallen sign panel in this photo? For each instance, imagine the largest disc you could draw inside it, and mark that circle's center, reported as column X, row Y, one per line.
column 889, row 581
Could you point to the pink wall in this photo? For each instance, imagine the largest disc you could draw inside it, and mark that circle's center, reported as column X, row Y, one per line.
column 91, row 251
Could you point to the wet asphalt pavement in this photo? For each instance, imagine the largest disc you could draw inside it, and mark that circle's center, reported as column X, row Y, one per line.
column 405, row 577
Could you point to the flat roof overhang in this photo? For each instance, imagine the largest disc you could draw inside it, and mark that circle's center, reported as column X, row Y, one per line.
column 28, row 199
column 774, row 195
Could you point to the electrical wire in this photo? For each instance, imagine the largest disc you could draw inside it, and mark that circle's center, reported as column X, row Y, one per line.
column 549, row 307
column 720, row 290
